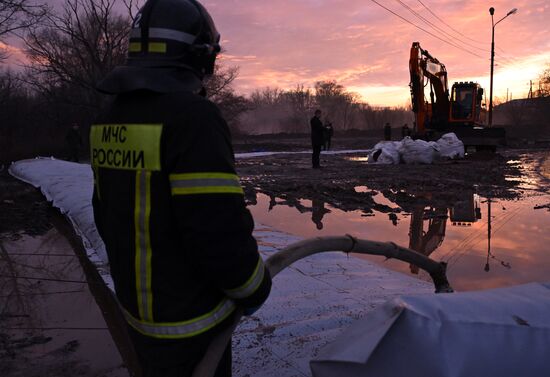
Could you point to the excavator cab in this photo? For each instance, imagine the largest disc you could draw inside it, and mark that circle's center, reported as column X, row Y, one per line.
column 465, row 106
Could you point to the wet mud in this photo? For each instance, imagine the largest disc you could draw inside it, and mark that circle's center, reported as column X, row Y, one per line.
column 348, row 182
column 23, row 209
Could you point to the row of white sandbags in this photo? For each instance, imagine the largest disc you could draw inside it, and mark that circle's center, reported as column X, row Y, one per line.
column 411, row 151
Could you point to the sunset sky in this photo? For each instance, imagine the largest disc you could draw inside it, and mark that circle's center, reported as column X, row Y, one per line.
column 280, row 43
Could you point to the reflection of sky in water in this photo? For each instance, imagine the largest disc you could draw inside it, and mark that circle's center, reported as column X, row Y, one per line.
column 520, row 238
column 359, row 159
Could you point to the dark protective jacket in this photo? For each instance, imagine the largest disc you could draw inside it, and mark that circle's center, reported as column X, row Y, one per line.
column 317, row 131
column 170, row 209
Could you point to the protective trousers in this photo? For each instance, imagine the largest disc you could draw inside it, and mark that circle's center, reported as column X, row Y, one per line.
column 175, row 358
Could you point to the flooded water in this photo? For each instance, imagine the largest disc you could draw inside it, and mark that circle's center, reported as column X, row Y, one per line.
column 50, row 323
column 486, row 243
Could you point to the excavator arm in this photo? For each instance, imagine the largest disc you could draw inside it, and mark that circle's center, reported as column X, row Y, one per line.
column 424, row 67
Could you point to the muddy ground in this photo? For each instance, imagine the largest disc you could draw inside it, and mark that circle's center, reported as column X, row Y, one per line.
column 345, row 181
column 348, row 182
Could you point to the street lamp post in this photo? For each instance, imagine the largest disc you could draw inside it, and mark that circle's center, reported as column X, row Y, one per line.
column 492, row 12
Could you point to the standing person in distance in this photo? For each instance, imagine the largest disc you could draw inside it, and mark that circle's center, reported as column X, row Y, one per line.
column 387, row 132
column 405, row 131
column 328, row 132
column 167, row 201
column 73, row 140
column 317, row 138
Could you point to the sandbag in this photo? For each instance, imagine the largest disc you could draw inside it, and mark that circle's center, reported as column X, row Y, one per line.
column 450, row 147
column 418, row 151
column 386, row 153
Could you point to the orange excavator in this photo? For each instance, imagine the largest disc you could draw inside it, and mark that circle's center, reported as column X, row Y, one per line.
column 459, row 111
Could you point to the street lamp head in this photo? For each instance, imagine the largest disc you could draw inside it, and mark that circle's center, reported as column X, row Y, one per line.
column 513, row 11
column 492, row 11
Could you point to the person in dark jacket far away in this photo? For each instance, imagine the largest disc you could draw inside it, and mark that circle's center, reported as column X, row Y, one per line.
column 405, row 131
column 387, row 132
column 167, row 201
column 73, row 140
column 327, row 135
column 317, row 138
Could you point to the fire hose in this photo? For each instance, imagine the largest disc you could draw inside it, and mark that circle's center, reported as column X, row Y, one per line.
column 348, row 244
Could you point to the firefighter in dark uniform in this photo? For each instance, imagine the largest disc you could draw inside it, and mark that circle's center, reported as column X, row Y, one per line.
column 167, row 201
column 317, row 139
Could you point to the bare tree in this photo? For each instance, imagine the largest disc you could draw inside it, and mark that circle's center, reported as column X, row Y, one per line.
column 18, row 15
column 219, row 84
column 302, row 102
column 133, row 6
column 77, row 48
column 335, row 102
column 544, row 86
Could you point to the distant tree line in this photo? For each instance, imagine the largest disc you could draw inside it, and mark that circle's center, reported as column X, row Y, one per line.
column 544, row 88
column 272, row 110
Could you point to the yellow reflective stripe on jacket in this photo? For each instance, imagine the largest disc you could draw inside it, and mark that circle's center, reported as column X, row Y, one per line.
column 251, row 285
column 205, row 183
column 143, row 252
column 184, row 329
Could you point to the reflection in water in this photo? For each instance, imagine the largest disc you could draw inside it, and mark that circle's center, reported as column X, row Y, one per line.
column 49, row 321
column 490, row 255
column 466, row 211
column 463, row 213
column 516, row 236
column 318, row 210
column 425, row 242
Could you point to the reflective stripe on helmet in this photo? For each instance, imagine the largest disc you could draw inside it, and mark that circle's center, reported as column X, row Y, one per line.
column 161, row 33
column 157, row 47
column 184, row 329
column 251, row 285
column 205, row 183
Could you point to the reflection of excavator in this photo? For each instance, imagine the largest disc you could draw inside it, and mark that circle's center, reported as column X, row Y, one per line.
column 463, row 212
column 466, row 211
column 426, row 242
column 459, row 112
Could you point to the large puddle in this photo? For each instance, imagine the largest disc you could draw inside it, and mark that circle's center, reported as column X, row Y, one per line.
column 486, row 243
column 50, row 324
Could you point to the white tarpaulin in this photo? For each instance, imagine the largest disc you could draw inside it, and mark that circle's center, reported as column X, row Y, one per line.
column 501, row 332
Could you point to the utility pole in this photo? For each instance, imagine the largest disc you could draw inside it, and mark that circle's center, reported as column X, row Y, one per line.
column 492, row 12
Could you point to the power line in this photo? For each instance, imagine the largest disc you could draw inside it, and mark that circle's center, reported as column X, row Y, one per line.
column 431, row 24
column 508, row 60
column 449, row 26
column 426, row 31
